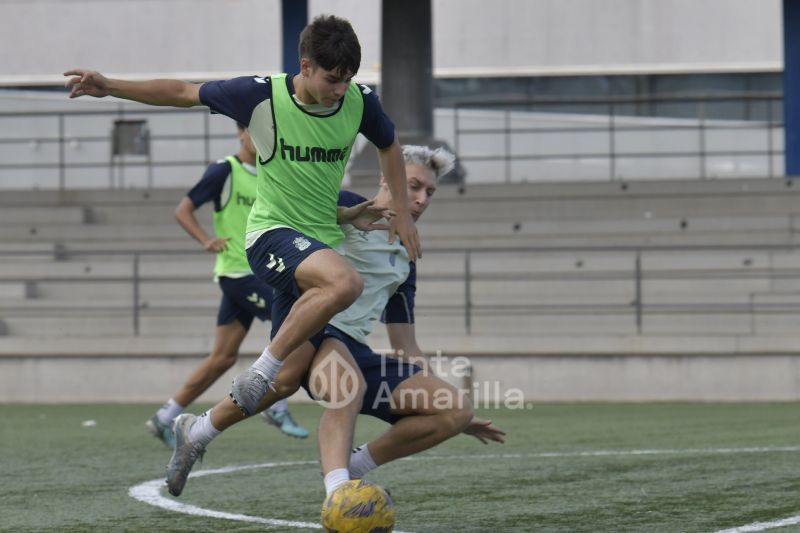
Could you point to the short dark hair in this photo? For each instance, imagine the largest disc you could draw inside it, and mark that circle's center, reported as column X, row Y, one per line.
column 331, row 43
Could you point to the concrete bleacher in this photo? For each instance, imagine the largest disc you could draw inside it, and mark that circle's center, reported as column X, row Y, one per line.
column 552, row 271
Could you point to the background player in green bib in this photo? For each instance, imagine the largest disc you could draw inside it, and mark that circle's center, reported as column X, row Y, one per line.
column 302, row 149
column 231, row 184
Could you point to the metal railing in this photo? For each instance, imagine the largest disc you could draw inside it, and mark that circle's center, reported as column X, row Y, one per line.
column 637, row 308
column 610, row 117
column 605, row 120
column 64, row 121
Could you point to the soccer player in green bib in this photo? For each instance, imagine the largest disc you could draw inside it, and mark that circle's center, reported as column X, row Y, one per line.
column 303, row 127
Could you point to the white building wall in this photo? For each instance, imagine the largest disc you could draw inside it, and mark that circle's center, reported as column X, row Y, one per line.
column 584, row 36
column 498, row 380
column 203, row 39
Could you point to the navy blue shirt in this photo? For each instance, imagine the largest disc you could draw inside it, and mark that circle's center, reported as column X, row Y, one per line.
column 400, row 308
column 211, row 185
column 246, row 97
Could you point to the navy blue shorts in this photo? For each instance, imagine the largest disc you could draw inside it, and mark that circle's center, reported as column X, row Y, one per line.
column 276, row 254
column 244, row 299
column 382, row 374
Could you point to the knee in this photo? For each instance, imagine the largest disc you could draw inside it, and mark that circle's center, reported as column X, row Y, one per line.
column 355, row 392
column 460, row 416
column 342, row 386
column 221, row 361
column 284, row 389
column 347, row 289
column 349, row 393
column 361, row 389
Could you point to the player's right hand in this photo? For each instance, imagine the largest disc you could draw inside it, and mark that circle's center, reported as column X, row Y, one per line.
column 86, row 82
column 364, row 216
column 216, row 245
column 484, row 431
column 405, row 228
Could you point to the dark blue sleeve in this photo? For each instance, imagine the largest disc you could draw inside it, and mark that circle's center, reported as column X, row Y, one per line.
column 375, row 125
column 210, row 185
column 400, row 308
column 236, row 98
column 349, row 199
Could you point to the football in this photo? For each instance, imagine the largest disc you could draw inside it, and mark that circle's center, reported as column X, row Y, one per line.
column 358, row 506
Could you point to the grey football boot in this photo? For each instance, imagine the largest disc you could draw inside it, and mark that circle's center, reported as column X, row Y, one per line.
column 247, row 390
column 185, row 455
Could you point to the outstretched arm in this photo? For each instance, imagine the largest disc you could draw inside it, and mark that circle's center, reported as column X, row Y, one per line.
column 394, row 169
column 404, row 342
column 174, row 93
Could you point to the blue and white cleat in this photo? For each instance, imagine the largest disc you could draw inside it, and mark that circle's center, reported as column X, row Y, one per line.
column 161, row 431
column 283, row 420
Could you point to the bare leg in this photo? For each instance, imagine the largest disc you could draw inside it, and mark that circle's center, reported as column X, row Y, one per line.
column 335, row 378
column 428, row 419
column 226, row 413
column 329, row 284
column 193, row 434
column 227, row 341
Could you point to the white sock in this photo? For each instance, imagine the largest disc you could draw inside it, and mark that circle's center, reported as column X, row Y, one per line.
column 280, row 406
column 334, row 478
column 361, row 462
column 203, row 431
column 169, row 411
column 267, row 365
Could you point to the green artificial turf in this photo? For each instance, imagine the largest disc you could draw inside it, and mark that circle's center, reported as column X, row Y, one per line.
column 564, row 467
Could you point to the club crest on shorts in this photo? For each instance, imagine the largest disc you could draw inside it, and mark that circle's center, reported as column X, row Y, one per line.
column 301, row 243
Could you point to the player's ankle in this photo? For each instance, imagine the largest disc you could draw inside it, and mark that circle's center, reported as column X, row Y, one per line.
column 335, row 478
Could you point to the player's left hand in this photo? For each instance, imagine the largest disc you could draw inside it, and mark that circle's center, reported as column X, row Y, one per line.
column 484, row 431
column 364, row 216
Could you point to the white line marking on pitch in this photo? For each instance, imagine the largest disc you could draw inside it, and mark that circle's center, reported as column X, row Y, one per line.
column 149, row 492
column 761, row 526
column 612, row 453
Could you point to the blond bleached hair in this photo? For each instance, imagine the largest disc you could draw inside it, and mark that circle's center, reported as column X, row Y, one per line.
column 439, row 160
